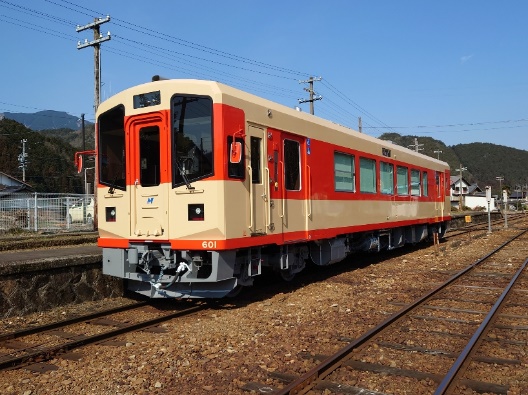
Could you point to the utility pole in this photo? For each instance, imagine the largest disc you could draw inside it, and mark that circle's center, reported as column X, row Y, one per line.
column 460, row 189
column 310, row 90
column 83, row 132
column 500, row 179
column 416, row 145
column 360, row 125
column 96, row 43
column 438, row 152
column 22, row 159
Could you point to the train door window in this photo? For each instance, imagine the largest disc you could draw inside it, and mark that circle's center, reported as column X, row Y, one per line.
column 415, row 182
column 425, row 188
column 235, row 170
column 402, row 178
column 367, row 175
column 192, row 138
column 149, row 156
column 256, row 157
column 111, row 148
column 292, row 165
column 437, row 180
column 344, row 176
column 387, row 178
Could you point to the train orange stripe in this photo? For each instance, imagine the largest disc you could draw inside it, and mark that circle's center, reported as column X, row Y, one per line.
column 244, row 242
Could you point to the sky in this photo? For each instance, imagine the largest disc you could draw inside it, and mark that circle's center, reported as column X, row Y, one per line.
column 453, row 70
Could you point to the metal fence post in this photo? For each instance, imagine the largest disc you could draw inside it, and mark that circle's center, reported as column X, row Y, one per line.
column 36, row 213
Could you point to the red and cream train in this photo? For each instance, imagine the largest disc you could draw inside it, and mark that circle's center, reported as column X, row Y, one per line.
column 201, row 185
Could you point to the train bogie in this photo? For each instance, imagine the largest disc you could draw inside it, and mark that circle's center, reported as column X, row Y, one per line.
column 202, row 186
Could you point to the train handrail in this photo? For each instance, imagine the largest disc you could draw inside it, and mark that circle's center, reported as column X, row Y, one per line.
column 250, row 171
column 281, row 165
column 268, row 198
column 309, row 191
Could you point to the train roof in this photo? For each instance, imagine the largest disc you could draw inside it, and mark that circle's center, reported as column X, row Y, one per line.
column 226, row 94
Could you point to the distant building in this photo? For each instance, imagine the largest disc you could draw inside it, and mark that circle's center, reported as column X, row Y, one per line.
column 9, row 185
column 471, row 195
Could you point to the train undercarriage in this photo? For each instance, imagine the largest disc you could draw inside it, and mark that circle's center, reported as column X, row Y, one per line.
column 156, row 271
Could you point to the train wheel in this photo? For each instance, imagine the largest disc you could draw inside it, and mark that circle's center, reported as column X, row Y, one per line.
column 287, row 274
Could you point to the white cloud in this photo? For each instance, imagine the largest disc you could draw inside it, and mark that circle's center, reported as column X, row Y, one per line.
column 465, row 58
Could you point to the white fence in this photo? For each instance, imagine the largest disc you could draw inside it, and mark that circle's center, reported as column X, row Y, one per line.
column 46, row 212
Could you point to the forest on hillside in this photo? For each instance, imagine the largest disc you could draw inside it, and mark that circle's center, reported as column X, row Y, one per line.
column 483, row 161
column 50, row 160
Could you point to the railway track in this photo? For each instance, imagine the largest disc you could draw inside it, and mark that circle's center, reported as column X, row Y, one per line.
column 483, row 226
column 32, row 347
column 437, row 344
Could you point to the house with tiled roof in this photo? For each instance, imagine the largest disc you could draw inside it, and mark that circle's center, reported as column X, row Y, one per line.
column 10, row 185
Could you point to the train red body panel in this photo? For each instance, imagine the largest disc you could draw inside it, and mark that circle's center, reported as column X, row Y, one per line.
column 200, row 186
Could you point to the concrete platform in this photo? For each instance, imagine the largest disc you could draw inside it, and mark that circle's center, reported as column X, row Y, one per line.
column 16, row 262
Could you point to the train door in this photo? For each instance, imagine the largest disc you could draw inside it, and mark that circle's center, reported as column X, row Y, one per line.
column 148, row 168
column 295, row 204
column 439, row 193
column 258, row 181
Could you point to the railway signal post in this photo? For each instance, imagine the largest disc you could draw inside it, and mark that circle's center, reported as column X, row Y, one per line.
column 488, row 198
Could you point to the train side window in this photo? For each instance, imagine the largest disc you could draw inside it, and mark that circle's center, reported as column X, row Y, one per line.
column 402, row 178
column 415, row 182
column 292, row 164
column 344, row 176
column 236, row 170
column 149, row 153
column 255, row 158
column 367, row 175
column 387, row 178
column 425, row 188
column 111, row 148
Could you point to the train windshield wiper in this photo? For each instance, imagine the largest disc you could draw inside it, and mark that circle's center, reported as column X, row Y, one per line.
column 113, row 186
column 187, row 183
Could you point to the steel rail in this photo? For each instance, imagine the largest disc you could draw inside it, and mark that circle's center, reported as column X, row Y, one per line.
column 308, row 380
column 66, row 322
column 50, row 352
column 451, row 376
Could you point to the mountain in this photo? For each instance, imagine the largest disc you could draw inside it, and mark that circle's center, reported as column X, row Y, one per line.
column 483, row 161
column 47, row 119
column 57, row 124
column 49, row 166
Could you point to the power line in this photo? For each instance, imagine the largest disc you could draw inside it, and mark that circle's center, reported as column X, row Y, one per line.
column 272, row 70
column 185, row 43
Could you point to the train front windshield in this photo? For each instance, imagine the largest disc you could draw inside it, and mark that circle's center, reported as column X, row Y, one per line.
column 191, row 140
column 192, row 137
column 112, row 152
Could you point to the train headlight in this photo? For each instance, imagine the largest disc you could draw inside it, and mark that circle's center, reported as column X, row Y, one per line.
column 110, row 214
column 195, row 212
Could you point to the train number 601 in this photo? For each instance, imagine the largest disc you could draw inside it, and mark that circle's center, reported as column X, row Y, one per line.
column 209, row 244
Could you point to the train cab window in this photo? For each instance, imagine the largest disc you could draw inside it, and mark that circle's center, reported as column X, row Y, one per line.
column 111, row 148
column 149, row 154
column 402, row 178
column 367, row 175
column 425, row 188
column 192, row 138
column 236, row 170
column 344, row 175
column 256, row 159
column 292, row 165
column 387, row 178
column 415, row 182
